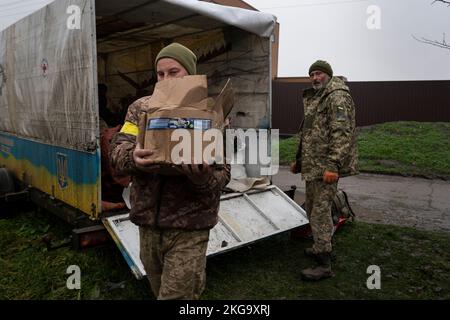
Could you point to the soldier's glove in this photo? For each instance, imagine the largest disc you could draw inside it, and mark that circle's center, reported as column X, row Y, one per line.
column 330, row 177
column 293, row 168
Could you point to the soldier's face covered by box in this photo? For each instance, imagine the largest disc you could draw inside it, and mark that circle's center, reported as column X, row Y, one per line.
column 168, row 68
column 318, row 79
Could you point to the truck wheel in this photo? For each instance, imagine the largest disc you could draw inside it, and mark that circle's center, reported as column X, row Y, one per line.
column 6, row 182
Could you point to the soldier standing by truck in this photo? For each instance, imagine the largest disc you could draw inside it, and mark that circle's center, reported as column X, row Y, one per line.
column 326, row 152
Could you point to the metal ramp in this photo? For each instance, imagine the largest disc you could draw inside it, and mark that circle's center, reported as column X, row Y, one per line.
column 243, row 219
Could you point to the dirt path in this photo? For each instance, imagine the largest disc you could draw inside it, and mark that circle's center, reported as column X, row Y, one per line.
column 404, row 201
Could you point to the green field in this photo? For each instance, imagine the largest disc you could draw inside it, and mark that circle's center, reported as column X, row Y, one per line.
column 406, row 148
column 414, row 265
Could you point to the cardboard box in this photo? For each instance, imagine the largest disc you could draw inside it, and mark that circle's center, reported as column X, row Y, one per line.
column 183, row 103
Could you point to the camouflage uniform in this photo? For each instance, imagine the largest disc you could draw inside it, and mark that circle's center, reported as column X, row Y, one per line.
column 175, row 261
column 170, row 208
column 319, row 197
column 327, row 143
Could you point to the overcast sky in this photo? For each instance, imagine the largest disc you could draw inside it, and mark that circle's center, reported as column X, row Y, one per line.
column 336, row 30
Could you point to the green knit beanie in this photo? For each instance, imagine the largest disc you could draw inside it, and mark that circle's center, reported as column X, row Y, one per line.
column 322, row 66
column 181, row 54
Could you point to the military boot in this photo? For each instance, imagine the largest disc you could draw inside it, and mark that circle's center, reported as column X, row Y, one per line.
column 322, row 271
column 310, row 253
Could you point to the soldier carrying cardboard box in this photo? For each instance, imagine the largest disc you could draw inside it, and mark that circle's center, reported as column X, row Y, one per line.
column 174, row 212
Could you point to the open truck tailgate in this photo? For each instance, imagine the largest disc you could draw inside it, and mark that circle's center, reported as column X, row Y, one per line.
column 243, row 219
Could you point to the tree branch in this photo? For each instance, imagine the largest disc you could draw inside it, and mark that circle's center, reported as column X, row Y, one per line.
column 442, row 44
column 442, row 1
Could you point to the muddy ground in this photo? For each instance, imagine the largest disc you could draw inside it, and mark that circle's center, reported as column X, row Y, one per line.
column 404, row 201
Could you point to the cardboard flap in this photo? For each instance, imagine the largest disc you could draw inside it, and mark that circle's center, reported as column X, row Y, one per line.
column 188, row 91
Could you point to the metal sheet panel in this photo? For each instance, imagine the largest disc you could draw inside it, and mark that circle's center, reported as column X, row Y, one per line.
column 375, row 102
column 69, row 175
column 243, row 219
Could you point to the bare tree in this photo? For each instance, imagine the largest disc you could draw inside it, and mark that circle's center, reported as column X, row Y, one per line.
column 443, row 1
column 440, row 44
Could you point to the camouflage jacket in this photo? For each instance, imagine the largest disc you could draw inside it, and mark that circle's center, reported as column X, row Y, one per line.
column 327, row 135
column 165, row 201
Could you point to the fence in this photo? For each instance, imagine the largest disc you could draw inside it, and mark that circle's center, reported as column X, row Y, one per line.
column 375, row 102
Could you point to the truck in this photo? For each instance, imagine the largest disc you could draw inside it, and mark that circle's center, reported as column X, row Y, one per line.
column 51, row 65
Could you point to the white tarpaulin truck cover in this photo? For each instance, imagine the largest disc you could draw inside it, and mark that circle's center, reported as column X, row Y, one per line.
column 49, row 90
column 49, row 71
column 255, row 22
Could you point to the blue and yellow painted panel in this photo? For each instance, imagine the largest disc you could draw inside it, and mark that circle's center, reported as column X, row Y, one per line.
column 68, row 175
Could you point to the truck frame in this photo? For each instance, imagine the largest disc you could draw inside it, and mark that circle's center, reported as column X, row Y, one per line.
column 52, row 61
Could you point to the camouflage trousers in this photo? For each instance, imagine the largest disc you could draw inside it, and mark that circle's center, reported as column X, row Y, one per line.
column 319, row 198
column 175, row 262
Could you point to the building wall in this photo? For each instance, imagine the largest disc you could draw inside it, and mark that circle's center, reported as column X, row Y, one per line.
column 276, row 31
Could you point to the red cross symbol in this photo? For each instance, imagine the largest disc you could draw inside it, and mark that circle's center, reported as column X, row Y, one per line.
column 44, row 66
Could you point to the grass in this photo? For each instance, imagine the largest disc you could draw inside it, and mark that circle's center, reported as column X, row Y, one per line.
column 414, row 265
column 30, row 271
column 406, row 148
